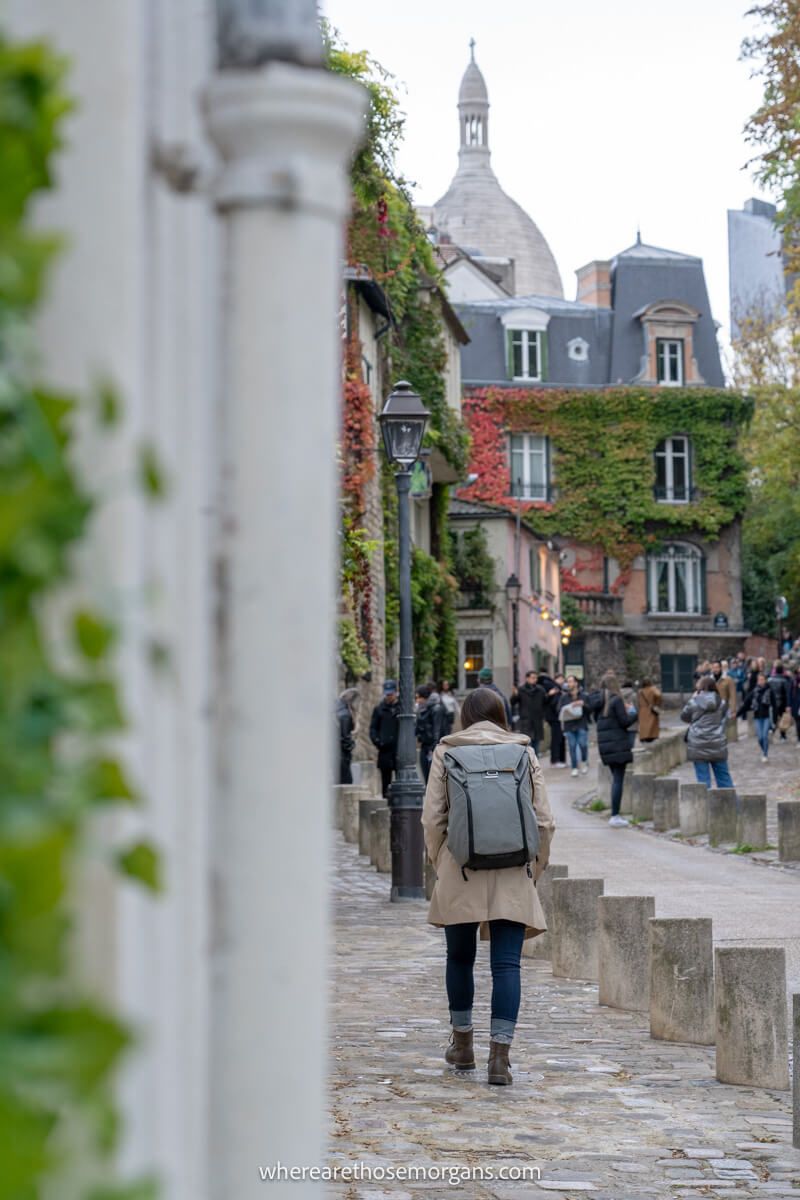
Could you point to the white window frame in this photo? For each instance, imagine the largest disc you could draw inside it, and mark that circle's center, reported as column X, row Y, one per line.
column 673, row 554
column 527, row 337
column 669, row 455
column 534, row 445
column 663, row 345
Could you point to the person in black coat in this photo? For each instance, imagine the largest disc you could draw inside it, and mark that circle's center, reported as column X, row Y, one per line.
column 384, row 732
column 346, row 726
column 532, row 701
column 613, row 739
column 782, row 691
column 558, row 745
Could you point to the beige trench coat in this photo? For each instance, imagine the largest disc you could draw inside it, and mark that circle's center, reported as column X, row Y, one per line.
column 649, row 723
column 508, row 894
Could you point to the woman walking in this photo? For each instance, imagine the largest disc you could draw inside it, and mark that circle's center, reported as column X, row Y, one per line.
column 503, row 902
column 707, row 736
column 762, row 704
column 346, row 725
column 575, row 723
column 649, row 711
column 613, row 740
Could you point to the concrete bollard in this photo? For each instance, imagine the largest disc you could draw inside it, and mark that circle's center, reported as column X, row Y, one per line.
column 693, row 809
column 789, row 830
column 682, row 980
column 796, row 1069
column 366, row 774
column 365, row 807
column 752, row 1033
column 380, row 846
column 665, row 803
column 541, row 946
column 722, row 816
column 338, row 788
column 732, row 730
column 623, row 951
column 351, row 795
column 751, row 822
column 574, row 940
column 642, row 791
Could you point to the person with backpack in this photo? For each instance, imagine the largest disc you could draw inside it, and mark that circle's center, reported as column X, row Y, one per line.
column 614, row 720
column 486, row 680
column 575, row 723
column 782, row 690
column 488, row 829
column 384, row 733
column 706, row 714
column 430, row 724
column 762, row 704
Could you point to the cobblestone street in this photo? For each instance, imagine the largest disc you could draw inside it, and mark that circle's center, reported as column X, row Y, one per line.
column 600, row 1108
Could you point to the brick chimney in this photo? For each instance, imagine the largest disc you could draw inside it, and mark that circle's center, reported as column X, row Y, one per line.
column 594, row 284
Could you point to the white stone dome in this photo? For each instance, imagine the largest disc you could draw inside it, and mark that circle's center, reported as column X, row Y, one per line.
column 477, row 215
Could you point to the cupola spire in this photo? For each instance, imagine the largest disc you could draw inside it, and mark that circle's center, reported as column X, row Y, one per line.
column 473, row 109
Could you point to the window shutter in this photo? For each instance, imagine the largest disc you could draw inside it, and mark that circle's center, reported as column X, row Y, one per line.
column 510, row 353
column 543, row 354
column 703, row 605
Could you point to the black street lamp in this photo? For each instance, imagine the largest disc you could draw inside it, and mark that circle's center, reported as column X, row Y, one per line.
column 403, row 423
column 513, row 589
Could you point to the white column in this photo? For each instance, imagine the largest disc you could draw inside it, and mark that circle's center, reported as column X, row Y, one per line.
column 286, row 134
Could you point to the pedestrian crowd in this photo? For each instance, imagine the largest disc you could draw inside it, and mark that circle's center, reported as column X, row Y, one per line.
column 487, row 822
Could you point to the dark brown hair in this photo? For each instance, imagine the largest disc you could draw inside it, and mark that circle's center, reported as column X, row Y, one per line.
column 483, row 705
column 708, row 684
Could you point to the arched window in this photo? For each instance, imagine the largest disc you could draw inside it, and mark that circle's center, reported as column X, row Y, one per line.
column 676, row 580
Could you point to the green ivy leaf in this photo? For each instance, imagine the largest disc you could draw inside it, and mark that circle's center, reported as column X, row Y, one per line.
column 152, row 478
column 142, row 861
column 93, row 634
column 106, row 783
column 107, row 404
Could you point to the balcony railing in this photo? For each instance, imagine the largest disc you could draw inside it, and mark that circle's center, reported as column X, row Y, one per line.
column 472, row 598
column 600, row 608
column 533, row 491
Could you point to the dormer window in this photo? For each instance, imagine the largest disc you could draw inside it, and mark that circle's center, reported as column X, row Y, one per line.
column 669, row 361
column 526, row 353
column 672, row 463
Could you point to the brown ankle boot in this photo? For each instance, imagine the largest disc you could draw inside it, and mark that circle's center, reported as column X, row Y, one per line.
column 460, row 1053
column 498, row 1063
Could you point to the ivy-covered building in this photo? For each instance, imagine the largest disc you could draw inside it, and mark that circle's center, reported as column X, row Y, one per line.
column 607, row 419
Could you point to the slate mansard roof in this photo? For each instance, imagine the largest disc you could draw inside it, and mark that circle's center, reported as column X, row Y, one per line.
column 640, row 276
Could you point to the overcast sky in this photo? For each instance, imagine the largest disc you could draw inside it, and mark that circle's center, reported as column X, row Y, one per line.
column 605, row 114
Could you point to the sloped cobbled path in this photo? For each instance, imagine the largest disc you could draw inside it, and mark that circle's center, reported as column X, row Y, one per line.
column 601, row 1110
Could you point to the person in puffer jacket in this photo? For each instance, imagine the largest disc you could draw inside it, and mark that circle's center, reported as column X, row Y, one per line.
column 707, row 738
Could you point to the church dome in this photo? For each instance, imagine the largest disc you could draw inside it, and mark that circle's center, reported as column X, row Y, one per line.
column 477, row 215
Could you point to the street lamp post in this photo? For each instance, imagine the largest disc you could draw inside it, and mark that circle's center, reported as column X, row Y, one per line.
column 403, row 423
column 513, row 589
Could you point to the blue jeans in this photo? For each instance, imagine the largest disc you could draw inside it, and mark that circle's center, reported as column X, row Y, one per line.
column 578, row 739
column 505, row 951
column 722, row 776
column 762, row 733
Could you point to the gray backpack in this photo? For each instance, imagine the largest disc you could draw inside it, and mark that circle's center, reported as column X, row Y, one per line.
column 490, row 791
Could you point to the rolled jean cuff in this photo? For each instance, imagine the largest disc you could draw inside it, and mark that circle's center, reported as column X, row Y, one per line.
column 461, row 1019
column 502, row 1030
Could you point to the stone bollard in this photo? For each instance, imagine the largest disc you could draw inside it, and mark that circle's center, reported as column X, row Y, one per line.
column 338, row 788
column 365, row 807
column 623, row 951
column 732, row 730
column 642, row 791
column 380, row 846
column 665, row 803
column 752, row 1034
column 541, row 946
column 574, row 940
column 693, row 809
column 366, row 774
column 682, row 980
column 751, row 822
column 796, row 1069
column 722, row 816
column 789, row 830
column 351, row 795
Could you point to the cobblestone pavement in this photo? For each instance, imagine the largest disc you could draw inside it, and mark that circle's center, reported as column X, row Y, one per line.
column 602, row 1110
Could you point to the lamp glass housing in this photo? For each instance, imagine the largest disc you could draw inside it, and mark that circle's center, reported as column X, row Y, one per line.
column 513, row 589
column 403, row 422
